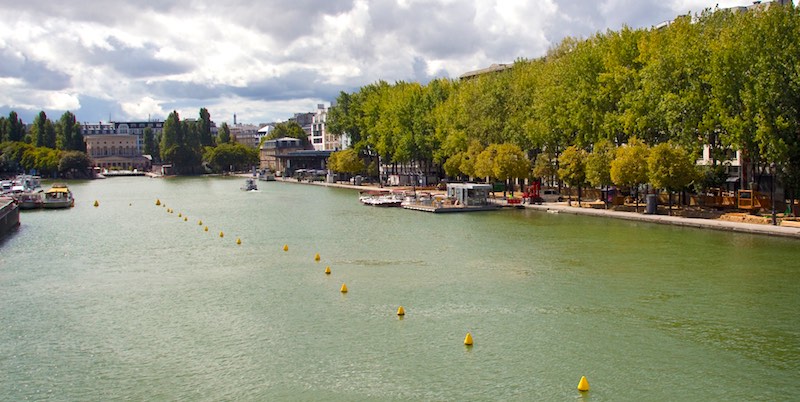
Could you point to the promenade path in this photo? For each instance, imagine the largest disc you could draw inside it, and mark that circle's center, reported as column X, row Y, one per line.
column 562, row 207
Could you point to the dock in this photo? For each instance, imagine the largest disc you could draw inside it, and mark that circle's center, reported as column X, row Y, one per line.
column 451, row 208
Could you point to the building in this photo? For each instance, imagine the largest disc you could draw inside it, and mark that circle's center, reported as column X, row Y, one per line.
column 271, row 150
column 136, row 128
column 116, row 151
column 245, row 134
column 494, row 68
column 320, row 138
column 305, row 120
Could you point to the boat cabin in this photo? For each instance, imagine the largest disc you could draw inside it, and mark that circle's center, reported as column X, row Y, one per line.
column 469, row 194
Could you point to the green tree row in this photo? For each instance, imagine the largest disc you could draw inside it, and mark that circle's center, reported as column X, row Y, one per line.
column 722, row 78
column 17, row 156
column 65, row 134
column 189, row 145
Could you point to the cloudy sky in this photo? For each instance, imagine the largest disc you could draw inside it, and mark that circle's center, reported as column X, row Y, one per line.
column 266, row 60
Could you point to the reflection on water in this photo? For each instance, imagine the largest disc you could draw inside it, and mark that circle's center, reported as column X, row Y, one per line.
column 128, row 301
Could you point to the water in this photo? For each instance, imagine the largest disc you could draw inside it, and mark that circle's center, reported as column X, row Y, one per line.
column 127, row 301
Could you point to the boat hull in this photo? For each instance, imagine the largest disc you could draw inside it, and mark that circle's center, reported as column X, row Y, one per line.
column 9, row 215
column 58, row 204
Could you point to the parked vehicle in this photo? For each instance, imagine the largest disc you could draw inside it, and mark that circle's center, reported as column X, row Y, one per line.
column 551, row 195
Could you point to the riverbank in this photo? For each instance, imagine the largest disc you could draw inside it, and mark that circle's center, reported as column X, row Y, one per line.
column 563, row 207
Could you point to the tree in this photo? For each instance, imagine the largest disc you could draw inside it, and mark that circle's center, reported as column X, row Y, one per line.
column 231, row 156
column 346, row 161
column 204, row 128
column 511, row 163
column 292, row 130
column 74, row 161
column 671, row 168
column 16, row 129
column 544, row 168
column 149, row 142
column 39, row 130
column 224, row 134
column 68, row 133
column 629, row 167
column 171, row 136
column 572, row 168
column 3, row 129
column 598, row 164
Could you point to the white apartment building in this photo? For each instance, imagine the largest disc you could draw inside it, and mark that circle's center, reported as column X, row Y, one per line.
column 320, row 138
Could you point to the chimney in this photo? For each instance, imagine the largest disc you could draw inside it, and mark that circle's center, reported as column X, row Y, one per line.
column 234, row 119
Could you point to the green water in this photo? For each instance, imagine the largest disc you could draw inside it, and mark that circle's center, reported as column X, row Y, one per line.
column 129, row 302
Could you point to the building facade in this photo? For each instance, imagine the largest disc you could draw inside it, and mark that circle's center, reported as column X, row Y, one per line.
column 272, row 150
column 320, row 138
column 124, row 128
column 245, row 134
column 116, row 151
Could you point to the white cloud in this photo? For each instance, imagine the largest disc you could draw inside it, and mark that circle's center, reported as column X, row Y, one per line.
column 146, row 106
column 62, row 101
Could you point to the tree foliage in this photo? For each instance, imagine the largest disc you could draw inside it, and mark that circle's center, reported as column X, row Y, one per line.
column 289, row 129
column 225, row 157
column 224, row 134
column 346, row 161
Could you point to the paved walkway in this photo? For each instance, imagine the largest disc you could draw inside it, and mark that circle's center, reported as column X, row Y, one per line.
column 715, row 224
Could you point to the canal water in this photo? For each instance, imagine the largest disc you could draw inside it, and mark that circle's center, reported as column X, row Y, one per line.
column 128, row 301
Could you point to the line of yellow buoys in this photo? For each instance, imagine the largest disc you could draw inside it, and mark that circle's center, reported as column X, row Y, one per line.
column 583, row 384
column 186, row 219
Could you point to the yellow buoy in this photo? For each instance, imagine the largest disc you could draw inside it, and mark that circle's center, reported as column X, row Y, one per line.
column 401, row 311
column 285, row 247
column 158, row 202
column 200, row 223
column 206, row 228
column 238, row 241
column 583, row 385
column 328, row 270
column 97, row 204
column 343, row 289
column 185, row 219
column 179, row 214
column 468, row 339
column 316, row 257
column 221, row 234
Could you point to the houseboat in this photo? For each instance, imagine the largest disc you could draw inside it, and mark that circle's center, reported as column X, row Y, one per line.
column 58, row 196
column 9, row 215
column 460, row 197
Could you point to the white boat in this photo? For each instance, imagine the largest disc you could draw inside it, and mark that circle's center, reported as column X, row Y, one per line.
column 378, row 198
column 266, row 176
column 29, row 199
column 58, row 196
column 249, row 185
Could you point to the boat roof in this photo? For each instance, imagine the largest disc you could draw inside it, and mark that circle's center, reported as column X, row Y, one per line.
column 57, row 190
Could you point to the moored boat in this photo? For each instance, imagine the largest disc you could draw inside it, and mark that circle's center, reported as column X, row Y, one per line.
column 9, row 215
column 58, row 196
column 266, row 176
column 381, row 198
column 29, row 200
